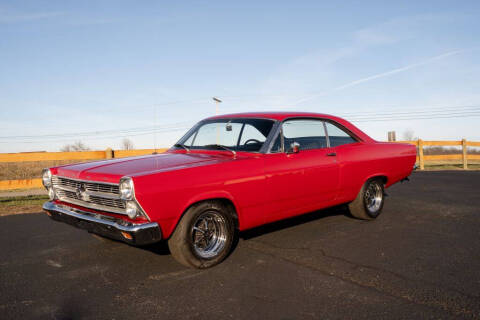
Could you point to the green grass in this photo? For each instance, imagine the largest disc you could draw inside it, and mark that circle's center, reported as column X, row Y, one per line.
column 23, row 201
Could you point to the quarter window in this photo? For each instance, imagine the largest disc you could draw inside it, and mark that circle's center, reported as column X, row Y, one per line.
column 310, row 134
column 338, row 136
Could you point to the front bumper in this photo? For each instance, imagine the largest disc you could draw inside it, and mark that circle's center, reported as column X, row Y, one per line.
column 110, row 227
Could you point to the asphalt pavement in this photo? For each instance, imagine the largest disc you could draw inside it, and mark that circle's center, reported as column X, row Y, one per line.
column 419, row 259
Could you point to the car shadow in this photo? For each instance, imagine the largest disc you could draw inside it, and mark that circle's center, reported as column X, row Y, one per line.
column 295, row 221
column 161, row 248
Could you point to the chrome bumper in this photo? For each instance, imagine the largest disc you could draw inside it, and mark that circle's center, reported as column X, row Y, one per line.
column 110, row 227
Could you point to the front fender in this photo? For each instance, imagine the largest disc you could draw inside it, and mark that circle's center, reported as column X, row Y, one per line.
column 170, row 225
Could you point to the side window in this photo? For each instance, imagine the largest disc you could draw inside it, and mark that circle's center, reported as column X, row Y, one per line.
column 251, row 139
column 310, row 134
column 251, row 133
column 337, row 136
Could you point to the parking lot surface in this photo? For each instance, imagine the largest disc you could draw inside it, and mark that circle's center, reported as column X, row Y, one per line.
column 419, row 259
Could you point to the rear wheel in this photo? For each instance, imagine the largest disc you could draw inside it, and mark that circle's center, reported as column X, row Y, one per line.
column 369, row 202
column 204, row 235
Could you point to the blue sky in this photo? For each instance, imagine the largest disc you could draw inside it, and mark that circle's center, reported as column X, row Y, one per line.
column 84, row 66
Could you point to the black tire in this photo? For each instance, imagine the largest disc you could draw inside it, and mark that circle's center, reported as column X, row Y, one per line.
column 188, row 238
column 361, row 207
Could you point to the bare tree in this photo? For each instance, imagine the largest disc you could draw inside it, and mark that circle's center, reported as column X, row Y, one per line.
column 127, row 144
column 76, row 146
column 409, row 135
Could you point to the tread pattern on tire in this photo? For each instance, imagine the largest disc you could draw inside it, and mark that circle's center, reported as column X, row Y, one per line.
column 357, row 207
column 180, row 246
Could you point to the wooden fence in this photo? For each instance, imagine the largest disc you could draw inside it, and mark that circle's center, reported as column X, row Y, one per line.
column 464, row 156
column 110, row 154
column 56, row 156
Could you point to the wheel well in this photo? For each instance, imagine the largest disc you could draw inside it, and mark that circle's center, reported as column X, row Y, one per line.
column 384, row 179
column 226, row 202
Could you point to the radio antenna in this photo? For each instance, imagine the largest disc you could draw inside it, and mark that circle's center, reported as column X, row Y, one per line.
column 217, row 102
column 155, row 111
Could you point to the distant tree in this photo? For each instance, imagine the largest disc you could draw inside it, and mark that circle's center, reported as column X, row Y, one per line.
column 127, row 144
column 76, row 146
column 409, row 135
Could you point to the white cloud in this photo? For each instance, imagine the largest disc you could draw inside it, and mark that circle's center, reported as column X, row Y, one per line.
column 381, row 75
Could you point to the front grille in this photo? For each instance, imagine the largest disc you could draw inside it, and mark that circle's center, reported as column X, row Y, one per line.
column 95, row 195
column 91, row 186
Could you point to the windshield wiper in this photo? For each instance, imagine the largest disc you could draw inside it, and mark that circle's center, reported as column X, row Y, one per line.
column 221, row 147
column 181, row 146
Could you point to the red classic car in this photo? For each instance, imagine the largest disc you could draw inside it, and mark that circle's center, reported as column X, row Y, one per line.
column 229, row 173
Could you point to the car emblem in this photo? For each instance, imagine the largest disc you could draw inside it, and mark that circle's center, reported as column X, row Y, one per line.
column 80, row 192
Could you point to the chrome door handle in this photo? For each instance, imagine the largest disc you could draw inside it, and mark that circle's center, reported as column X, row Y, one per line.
column 331, row 154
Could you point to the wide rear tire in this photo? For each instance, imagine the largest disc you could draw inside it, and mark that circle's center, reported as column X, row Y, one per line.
column 204, row 236
column 369, row 202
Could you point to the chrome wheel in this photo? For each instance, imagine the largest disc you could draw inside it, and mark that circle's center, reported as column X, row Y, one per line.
column 209, row 234
column 373, row 197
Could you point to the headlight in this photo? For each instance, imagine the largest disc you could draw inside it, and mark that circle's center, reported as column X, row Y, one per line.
column 126, row 189
column 131, row 209
column 47, row 178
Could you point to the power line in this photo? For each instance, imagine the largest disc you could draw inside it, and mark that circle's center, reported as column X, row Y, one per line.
column 108, row 137
column 419, row 118
column 416, row 110
column 413, row 115
column 96, row 133
column 417, row 114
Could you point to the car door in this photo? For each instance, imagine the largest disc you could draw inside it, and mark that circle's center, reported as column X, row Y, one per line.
column 302, row 180
column 350, row 153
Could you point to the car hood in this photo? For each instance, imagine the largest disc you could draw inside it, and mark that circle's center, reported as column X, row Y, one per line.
column 113, row 170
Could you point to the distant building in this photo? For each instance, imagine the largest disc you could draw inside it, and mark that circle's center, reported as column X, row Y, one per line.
column 392, row 136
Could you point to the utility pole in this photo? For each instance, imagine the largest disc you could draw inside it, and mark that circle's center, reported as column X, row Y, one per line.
column 217, row 103
column 155, row 115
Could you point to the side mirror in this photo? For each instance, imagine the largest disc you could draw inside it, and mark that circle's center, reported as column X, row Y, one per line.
column 294, row 148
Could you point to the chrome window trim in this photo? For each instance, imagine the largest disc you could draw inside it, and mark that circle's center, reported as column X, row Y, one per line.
column 277, row 132
column 344, row 129
column 326, row 134
column 302, row 118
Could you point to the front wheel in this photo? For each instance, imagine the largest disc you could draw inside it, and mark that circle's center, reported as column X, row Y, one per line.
column 369, row 202
column 204, row 235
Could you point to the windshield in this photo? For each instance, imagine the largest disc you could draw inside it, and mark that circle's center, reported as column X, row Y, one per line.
column 235, row 134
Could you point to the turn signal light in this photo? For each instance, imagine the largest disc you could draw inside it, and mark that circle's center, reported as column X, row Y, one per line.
column 127, row 235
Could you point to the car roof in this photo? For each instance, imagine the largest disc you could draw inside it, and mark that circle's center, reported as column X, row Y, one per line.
column 273, row 115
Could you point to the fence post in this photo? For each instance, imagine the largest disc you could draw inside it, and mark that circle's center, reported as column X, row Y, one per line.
column 420, row 154
column 109, row 153
column 464, row 153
